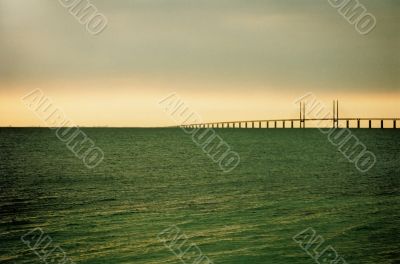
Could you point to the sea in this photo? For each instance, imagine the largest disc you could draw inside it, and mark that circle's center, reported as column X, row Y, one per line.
column 151, row 180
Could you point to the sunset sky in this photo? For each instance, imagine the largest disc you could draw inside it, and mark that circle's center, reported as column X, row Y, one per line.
column 228, row 59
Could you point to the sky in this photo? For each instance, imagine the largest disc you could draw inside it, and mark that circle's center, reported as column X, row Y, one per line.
column 227, row 59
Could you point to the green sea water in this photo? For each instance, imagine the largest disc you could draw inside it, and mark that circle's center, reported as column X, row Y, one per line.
column 151, row 179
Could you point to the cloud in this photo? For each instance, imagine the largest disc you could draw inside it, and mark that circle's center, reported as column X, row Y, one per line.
column 283, row 43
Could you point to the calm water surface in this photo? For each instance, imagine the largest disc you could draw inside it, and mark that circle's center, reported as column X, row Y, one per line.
column 150, row 179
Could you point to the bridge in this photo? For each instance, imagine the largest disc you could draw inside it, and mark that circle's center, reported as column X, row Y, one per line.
column 301, row 121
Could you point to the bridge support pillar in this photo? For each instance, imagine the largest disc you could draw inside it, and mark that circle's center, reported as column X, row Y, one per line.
column 381, row 123
column 394, row 123
column 259, row 124
column 283, row 124
column 245, row 124
column 252, row 124
column 292, row 124
column 358, row 123
column 347, row 124
column 275, row 124
column 267, row 124
column 240, row 124
column 370, row 123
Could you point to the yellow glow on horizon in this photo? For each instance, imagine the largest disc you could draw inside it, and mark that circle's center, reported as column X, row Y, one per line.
column 134, row 103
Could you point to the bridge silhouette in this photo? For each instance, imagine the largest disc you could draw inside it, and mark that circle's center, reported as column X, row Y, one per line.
column 290, row 122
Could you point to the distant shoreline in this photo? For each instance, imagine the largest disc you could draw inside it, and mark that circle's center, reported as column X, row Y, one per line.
column 78, row 126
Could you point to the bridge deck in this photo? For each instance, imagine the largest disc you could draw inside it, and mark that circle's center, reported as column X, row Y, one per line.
column 302, row 122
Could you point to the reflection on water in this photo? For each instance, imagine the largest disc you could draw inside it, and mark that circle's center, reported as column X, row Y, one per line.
column 151, row 179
